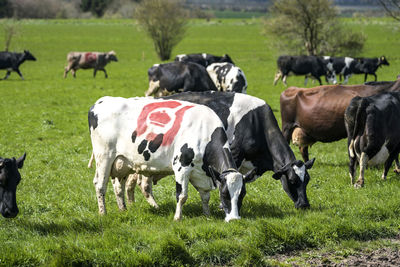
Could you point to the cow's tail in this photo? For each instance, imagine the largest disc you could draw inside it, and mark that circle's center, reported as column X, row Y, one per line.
column 91, row 160
column 357, row 126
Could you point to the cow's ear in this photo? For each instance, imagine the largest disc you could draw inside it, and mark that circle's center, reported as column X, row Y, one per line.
column 309, row 163
column 250, row 176
column 214, row 174
column 20, row 161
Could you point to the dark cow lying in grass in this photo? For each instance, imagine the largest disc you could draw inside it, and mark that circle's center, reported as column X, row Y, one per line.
column 177, row 77
column 203, row 59
column 88, row 60
column 9, row 179
column 164, row 137
column 227, row 77
column 373, row 130
column 255, row 141
column 11, row 61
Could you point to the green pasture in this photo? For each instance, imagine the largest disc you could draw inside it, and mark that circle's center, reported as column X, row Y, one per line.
column 46, row 116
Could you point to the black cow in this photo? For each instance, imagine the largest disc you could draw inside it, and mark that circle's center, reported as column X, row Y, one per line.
column 310, row 66
column 9, row 179
column 370, row 66
column 255, row 141
column 203, row 59
column 176, row 77
column 11, row 61
column 373, row 130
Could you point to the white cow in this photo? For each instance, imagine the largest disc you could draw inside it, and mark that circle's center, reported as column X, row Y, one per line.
column 162, row 137
column 227, row 77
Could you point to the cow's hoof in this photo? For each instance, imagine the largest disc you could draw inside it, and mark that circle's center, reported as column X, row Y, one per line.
column 397, row 171
column 357, row 185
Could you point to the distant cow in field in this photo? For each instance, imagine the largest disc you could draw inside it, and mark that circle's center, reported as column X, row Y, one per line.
column 163, row 137
column 370, row 66
column 88, row 60
column 310, row 66
column 342, row 66
column 203, row 59
column 227, row 77
column 177, row 77
column 373, row 130
column 311, row 115
column 11, row 61
column 9, row 179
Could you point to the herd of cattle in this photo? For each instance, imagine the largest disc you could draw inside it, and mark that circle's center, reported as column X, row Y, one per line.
column 201, row 127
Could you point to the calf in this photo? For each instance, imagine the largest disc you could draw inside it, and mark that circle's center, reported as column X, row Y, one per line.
column 9, row 179
column 203, row 59
column 342, row 66
column 373, row 130
column 164, row 137
column 88, row 60
column 176, row 77
column 255, row 141
column 310, row 66
column 11, row 61
column 370, row 66
column 227, row 77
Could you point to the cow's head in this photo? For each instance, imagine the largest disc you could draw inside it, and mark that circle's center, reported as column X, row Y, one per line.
column 28, row 55
column 232, row 190
column 226, row 58
column 111, row 56
column 294, row 178
column 9, row 179
column 383, row 61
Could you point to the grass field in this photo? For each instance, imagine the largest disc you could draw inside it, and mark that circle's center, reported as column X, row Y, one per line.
column 46, row 116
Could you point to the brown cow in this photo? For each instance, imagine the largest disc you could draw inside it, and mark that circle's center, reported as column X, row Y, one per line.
column 88, row 60
column 316, row 114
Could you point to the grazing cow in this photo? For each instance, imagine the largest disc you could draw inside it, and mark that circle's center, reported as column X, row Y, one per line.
column 89, row 60
column 255, row 141
column 370, row 66
column 9, row 179
column 373, row 130
column 164, row 137
column 310, row 66
column 11, row 61
column 342, row 66
column 316, row 114
column 176, row 77
column 227, row 77
column 203, row 59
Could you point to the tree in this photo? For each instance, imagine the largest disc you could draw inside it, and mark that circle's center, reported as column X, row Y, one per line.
column 392, row 7
column 96, row 7
column 11, row 29
column 311, row 27
column 165, row 23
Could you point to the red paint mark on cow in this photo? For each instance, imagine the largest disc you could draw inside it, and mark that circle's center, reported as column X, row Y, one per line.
column 161, row 119
column 90, row 57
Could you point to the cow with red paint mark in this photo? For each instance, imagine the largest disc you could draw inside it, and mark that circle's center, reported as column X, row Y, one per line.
column 88, row 60
column 163, row 137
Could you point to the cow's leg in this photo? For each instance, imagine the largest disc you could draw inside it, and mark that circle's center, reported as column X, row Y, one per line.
column 352, row 160
column 66, row 70
column 388, row 164
column 146, row 185
column 7, row 74
column 19, row 73
column 284, row 80
column 205, row 199
column 278, row 75
column 397, row 168
column 365, row 77
column 105, row 72
column 119, row 190
column 304, row 153
column 376, row 77
column 73, row 72
column 103, row 169
column 130, row 187
column 319, row 80
column 181, row 197
column 153, row 87
column 94, row 73
column 363, row 165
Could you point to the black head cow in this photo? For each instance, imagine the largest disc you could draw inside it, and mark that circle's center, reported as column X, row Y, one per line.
column 9, row 179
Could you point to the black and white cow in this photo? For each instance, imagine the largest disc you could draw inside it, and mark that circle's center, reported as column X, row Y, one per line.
column 310, row 66
column 342, row 66
column 370, row 66
column 373, row 130
column 255, row 141
column 227, row 77
column 176, row 77
column 203, row 59
column 9, row 180
column 164, row 137
column 89, row 60
column 11, row 61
